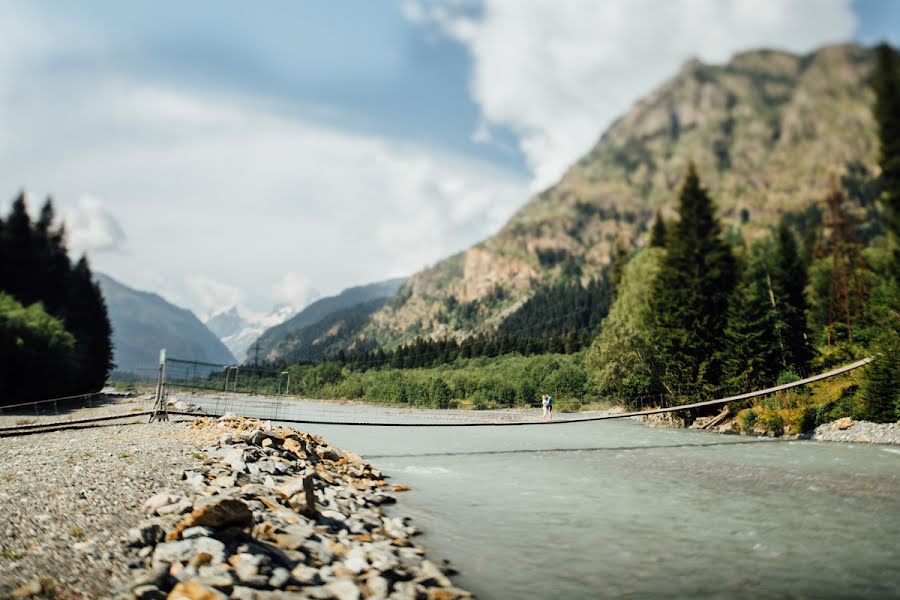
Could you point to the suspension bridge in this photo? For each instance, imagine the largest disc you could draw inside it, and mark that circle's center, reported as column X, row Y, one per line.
column 214, row 391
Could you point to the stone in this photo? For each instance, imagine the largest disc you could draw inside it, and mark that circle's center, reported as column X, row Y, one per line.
column 28, row 590
column 181, row 506
column 148, row 592
column 343, row 589
column 845, row 423
column 195, row 532
column 399, row 487
column 430, row 576
column 280, row 577
column 247, row 568
column 447, row 593
column 305, row 575
column 223, row 481
column 220, row 512
column 184, row 550
column 158, row 501
column 145, row 534
column 292, row 537
column 192, row 590
column 377, row 586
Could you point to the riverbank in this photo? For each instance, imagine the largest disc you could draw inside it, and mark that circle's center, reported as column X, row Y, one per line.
column 233, row 508
column 845, row 430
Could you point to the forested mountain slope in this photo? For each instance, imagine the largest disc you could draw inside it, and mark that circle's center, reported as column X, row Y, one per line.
column 345, row 313
column 767, row 132
column 143, row 323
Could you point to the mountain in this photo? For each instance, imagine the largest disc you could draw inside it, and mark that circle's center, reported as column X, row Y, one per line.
column 327, row 324
column 143, row 323
column 239, row 330
column 767, row 131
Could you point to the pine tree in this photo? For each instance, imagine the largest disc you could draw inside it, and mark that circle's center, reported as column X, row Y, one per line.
column 881, row 386
column 21, row 273
column 886, row 81
column 690, row 295
column 88, row 320
column 658, row 233
column 751, row 358
column 788, row 281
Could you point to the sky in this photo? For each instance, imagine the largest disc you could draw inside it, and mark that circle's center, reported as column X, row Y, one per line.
column 225, row 153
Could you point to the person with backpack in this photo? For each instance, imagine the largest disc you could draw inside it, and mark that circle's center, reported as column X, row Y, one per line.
column 547, row 403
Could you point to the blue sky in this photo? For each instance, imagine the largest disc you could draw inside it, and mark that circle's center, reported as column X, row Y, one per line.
column 236, row 153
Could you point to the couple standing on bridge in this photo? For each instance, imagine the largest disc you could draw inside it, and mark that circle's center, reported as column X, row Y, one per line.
column 547, row 404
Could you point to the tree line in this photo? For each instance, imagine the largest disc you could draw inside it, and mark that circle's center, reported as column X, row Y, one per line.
column 54, row 329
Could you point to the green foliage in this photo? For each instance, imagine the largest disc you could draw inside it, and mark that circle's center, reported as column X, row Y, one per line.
column 751, row 357
column 689, row 296
column 788, row 280
column 510, row 380
column 748, row 420
column 33, row 342
column 886, row 81
column 880, row 391
column 35, row 268
column 622, row 361
column 559, row 309
column 658, row 233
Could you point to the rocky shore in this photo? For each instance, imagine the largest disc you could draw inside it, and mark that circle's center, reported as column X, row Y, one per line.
column 844, row 430
column 232, row 508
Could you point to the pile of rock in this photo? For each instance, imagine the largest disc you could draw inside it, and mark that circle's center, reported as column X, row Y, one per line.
column 862, row 432
column 275, row 513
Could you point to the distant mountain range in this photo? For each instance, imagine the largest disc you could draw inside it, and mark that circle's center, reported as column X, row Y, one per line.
column 143, row 323
column 326, row 325
column 238, row 329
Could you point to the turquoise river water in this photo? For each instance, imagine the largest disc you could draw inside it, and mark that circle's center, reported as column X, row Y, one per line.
column 614, row 509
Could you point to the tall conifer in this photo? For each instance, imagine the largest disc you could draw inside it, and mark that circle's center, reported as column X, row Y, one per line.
column 886, row 81
column 658, row 233
column 689, row 300
column 751, row 358
column 788, row 283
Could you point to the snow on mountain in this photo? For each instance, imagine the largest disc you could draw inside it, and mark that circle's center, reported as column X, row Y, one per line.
column 239, row 329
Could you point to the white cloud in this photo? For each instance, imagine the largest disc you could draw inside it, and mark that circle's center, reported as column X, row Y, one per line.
column 211, row 294
column 558, row 73
column 90, row 227
column 294, row 289
column 221, row 188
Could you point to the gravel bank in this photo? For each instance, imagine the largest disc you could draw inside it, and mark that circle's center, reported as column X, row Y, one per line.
column 68, row 497
column 860, row 432
column 222, row 508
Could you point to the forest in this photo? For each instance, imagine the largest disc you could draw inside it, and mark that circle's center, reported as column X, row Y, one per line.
column 54, row 330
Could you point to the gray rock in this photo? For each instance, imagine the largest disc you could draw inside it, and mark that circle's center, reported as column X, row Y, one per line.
column 181, row 506
column 148, row 592
column 195, row 532
column 343, row 589
column 280, row 578
column 184, row 550
column 145, row 534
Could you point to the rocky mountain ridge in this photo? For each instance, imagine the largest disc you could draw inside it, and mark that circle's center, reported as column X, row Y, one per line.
column 768, row 131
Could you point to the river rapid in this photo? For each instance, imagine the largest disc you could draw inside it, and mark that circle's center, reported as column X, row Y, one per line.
column 613, row 509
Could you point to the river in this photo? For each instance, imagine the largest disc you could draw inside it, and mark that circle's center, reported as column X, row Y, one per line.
column 613, row 509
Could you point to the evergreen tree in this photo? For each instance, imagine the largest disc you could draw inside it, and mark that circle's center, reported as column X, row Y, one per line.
column 690, row 295
column 88, row 321
column 886, row 82
column 751, row 358
column 658, row 233
column 881, row 386
column 788, row 284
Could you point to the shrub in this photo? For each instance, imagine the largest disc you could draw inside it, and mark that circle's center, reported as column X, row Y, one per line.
column 748, row 420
